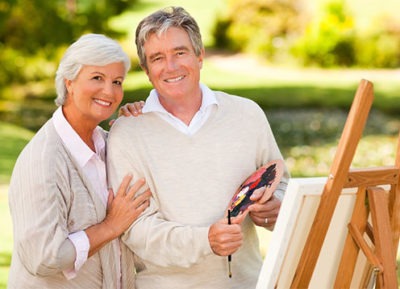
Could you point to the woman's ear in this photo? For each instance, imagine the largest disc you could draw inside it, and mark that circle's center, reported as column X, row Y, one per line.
column 68, row 85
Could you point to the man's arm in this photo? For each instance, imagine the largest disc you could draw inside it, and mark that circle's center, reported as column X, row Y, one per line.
column 264, row 212
column 152, row 237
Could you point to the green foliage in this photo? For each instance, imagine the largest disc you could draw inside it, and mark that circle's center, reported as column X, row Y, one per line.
column 32, row 24
column 37, row 29
column 329, row 40
column 380, row 47
column 262, row 26
column 328, row 37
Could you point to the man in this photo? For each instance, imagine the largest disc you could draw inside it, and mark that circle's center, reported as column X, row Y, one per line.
column 194, row 147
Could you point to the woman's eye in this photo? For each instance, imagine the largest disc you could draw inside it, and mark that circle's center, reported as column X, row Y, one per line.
column 97, row 77
column 118, row 82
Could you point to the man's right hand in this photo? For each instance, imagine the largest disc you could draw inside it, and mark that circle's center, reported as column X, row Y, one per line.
column 225, row 239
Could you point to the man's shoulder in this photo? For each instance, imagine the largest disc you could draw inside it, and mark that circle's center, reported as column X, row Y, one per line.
column 232, row 99
column 125, row 122
column 237, row 103
column 128, row 127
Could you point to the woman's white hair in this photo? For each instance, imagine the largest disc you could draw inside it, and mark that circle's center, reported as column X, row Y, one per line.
column 89, row 49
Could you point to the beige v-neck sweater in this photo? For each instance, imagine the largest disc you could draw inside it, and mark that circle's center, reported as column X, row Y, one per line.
column 192, row 179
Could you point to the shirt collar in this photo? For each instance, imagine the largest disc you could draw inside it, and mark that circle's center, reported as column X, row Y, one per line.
column 77, row 147
column 153, row 103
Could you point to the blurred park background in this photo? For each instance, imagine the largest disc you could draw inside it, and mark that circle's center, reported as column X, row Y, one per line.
column 301, row 60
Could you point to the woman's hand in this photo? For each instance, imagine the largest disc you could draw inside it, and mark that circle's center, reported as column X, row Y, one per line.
column 125, row 207
column 122, row 211
column 129, row 109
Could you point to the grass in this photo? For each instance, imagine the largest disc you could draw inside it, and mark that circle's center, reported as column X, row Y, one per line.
column 12, row 141
column 6, row 237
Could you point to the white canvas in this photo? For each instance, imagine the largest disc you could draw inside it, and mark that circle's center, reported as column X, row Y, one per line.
column 290, row 234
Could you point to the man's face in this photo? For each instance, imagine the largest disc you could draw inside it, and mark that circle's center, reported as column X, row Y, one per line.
column 172, row 65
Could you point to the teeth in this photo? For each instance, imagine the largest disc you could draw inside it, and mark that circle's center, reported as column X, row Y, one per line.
column 174, row 79
column 102, row 102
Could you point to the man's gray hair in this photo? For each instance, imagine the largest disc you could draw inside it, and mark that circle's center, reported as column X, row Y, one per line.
column 160, row 21
column 89, row 49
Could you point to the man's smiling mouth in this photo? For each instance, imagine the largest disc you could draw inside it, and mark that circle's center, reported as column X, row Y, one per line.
column 176, row 79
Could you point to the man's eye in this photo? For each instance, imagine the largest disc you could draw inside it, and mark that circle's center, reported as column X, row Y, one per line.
column 118, row 82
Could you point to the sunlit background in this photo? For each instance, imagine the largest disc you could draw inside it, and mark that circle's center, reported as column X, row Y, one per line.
column 300, row 60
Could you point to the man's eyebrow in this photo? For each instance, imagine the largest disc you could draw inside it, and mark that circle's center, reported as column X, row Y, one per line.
column 177, row 48
column 154, row 55
column 183, row 47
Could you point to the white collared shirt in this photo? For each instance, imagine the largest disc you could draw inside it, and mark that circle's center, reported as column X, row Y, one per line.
column 94, row 167
column 209, row 102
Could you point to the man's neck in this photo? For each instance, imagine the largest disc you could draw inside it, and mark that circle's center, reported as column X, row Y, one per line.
column 184, row 109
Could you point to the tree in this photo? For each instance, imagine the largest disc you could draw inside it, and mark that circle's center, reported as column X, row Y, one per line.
column 32, row 31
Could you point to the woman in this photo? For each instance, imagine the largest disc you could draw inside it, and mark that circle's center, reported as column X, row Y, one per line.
column 66, row 223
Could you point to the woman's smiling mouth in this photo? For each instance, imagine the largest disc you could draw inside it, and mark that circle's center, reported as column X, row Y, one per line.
column 102, row 102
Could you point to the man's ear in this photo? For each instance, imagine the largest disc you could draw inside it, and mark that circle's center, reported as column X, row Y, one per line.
column 201, row 57
column 146, row 71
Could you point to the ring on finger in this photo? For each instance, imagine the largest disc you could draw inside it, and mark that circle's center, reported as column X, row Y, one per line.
column 266, row 220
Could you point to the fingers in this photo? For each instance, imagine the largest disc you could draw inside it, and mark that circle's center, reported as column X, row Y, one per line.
column 131, row 108
column 124, row 185
column 141, row 202
column 134, row 188
column 225, row 239
column 137, row 107
column 261, row 195
column 266, row 214
column 123, row 111
column 110, row 197
column 263, row 221
column 239, row 218
column 125, row 208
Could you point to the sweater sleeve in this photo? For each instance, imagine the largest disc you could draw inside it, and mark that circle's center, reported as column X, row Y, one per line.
column 151, row 237
column 268, row 150
column 39, row 214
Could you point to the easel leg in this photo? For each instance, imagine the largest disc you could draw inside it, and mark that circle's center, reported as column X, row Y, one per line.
column 383, row 238
column 351, row 249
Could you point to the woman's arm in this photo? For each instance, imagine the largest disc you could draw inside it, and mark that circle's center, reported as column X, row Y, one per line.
column 122, row 211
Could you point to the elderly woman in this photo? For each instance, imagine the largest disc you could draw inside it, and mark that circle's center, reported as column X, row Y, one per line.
column 66, row 222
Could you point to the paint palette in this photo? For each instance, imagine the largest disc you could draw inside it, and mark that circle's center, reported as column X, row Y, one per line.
column 266, row 177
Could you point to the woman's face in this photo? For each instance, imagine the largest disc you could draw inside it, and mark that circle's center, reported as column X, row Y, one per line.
column 95, row 94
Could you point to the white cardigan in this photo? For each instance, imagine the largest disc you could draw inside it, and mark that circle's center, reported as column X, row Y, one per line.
column 49, row 198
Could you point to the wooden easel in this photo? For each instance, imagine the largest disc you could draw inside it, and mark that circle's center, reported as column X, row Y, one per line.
column 378, row 241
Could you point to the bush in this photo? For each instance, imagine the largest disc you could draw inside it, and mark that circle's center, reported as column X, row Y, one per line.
column 32, row 32
column 262, row 26
column 380, row 46
column 328, row 40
